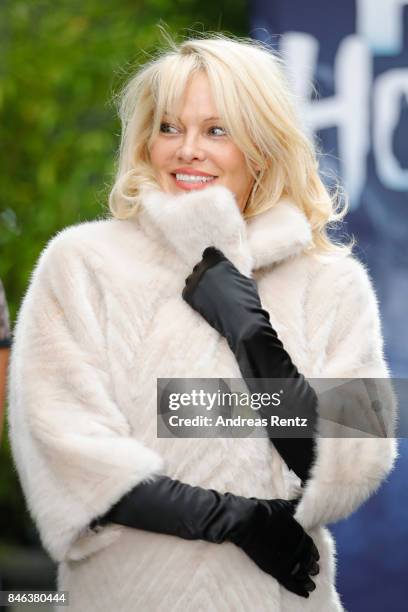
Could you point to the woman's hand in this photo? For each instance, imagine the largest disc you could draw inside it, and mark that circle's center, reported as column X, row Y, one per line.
column 263, row 528
column 277, row 543
column 224, row 297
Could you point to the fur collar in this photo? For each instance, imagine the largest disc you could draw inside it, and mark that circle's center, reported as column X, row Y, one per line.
column 192, row 221
column 278, row 233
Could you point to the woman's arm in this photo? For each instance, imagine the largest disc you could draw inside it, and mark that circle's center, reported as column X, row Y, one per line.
column 230, row 303
column 346, row 470
column 264, row 529
column 73, row 447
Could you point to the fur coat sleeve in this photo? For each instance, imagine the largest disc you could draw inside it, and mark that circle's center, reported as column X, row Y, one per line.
column 348, row 468
column 70, row 442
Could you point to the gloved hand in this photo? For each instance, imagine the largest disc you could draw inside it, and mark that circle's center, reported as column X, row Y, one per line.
column 264, row 529
column 272, row 527
column 229, row 302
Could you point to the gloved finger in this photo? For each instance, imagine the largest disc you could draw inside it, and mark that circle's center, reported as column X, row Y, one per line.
column 306, row 552
column 295, row 587
column 309, row 552
column 304, row 566
column 294, row 504
column 304, row 583
column 302, row 557
column 295, row 568
column 213, row 254
column 211, row 257
column 300, row 573
column 312, row 565
column 315, row 552
column 315, row 569
column 301, row 576
column 309, row 585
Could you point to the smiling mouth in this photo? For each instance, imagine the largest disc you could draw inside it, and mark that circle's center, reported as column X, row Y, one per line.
column 186, row 182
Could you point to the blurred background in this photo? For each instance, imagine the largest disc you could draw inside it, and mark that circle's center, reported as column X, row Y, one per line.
column 61, row 65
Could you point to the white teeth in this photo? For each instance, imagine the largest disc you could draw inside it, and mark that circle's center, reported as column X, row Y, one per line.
column 189, row 178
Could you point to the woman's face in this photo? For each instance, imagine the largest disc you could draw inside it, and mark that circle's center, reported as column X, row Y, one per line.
column 193, row 151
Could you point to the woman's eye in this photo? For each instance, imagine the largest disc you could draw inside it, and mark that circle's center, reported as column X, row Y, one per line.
column 217, row 127
column 165, row 127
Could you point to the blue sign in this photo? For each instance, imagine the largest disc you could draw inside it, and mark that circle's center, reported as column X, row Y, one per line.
column 355, row 53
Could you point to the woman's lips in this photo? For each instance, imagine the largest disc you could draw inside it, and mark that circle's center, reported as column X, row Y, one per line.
column 188, row 186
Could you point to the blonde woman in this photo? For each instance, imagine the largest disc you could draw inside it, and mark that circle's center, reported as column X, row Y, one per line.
column 215, row 262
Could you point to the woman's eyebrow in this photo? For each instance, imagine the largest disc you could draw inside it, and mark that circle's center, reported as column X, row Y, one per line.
column 179, row 119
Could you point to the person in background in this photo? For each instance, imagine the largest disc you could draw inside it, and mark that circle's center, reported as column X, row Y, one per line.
column 5, row 343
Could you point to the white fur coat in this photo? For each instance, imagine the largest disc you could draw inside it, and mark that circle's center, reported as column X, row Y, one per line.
column 102, row 319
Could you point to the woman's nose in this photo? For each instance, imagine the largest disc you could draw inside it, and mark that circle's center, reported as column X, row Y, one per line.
column 191, row 148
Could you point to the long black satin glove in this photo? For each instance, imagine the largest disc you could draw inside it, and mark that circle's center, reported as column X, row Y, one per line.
column 264, row 529
column 229, row 302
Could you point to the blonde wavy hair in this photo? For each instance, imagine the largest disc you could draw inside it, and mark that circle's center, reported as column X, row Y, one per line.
column 256, row 104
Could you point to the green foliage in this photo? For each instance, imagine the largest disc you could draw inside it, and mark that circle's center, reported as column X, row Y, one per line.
column 61, row 64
